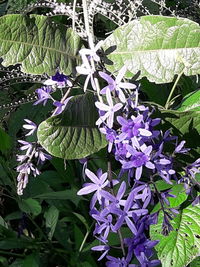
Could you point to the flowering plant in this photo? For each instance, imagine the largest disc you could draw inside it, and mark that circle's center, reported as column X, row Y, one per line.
column 113, row 118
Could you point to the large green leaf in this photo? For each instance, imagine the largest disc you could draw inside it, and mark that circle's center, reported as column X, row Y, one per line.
column 157, row 46
column 37, row 43
column 73, row 134
column 182, row 245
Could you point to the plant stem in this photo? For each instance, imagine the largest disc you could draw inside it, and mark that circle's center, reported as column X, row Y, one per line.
column 63, row 99
column 74, row 11
column 11, row 254
column 173, row 89
column 83, row 242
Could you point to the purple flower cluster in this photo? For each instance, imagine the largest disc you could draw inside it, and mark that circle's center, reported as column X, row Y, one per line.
column 34, row 156
column 136, row 143
column 113, row 210
column 60, row 81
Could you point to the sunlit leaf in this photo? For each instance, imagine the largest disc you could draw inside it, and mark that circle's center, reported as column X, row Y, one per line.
column 157, row 46
column 182, row 245
column 38, row 44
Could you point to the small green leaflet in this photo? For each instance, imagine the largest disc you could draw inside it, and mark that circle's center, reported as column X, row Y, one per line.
column 73, row 134
column 156, row 46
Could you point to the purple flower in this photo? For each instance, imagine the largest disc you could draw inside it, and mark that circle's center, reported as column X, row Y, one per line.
column 99, row 182
column 180, row 148
column 26, row 146
column 138, row 159
column 193, row 169
column 110, row 136
column 116, row 84
column 59, row 79
column 91, row 52
column 42, row 156
column 104, row 224
column 24, row 171
column 116, row 201
column 132, row 127
column 126, row 213
column 30, row 126
column 110, row 108
column 166, row 225
column 86, row 68
column 60, row 106
column 43, row 95
column 104, row 248
column 116, row 262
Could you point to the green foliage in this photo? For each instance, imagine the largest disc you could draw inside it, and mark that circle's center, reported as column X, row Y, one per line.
column 186, row 125
column 73, row 134
column 5, row 141
column 18, row 5
column 157, row 47
column 191, row 102
column 40, row 45
column 182, row 245
column 49, row 225
column 51, row 217
column 30, row 206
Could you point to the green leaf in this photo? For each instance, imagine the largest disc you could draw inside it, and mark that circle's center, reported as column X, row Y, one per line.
column 12, row 243
column 195, row 263
column 157, row 46
column 66, row 194
column 186, row 125
column 5, row 141
column 73, row 134
column 182, row 245
column 30, row 206
column 82, row 219
column 191, row 102
column 3, row 223
column 51, row 217
column 179, row 191
column 31, row 261
column 38, row 44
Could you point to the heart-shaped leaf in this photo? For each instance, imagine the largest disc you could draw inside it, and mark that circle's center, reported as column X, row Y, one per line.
column 182, row 245
column 38, row 44
column 73, row 134
column 157, row 46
